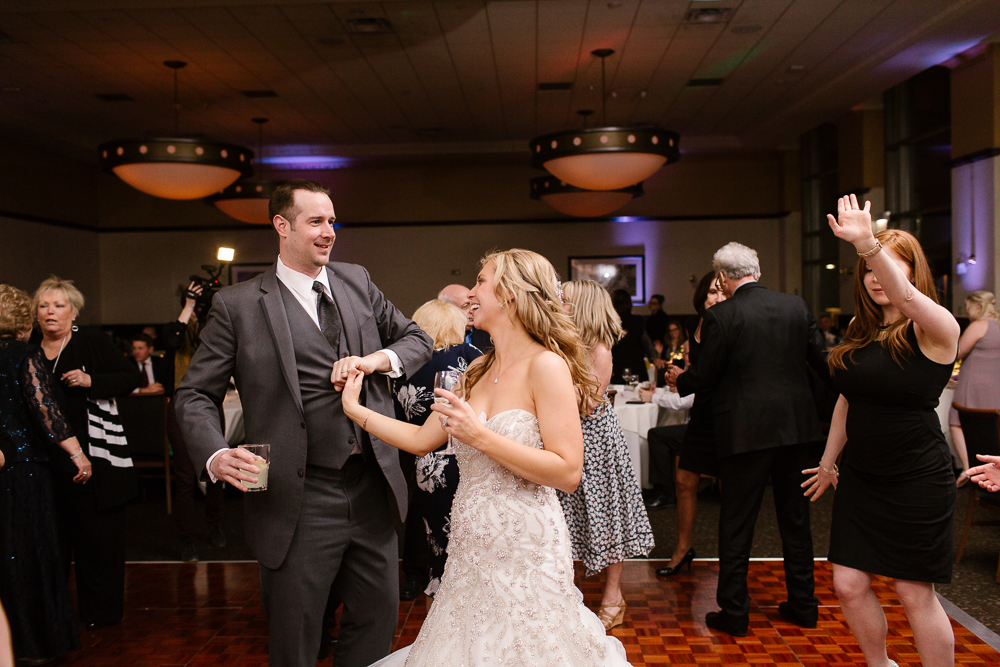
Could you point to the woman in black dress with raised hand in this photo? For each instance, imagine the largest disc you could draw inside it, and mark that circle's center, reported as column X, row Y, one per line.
column 892, row 513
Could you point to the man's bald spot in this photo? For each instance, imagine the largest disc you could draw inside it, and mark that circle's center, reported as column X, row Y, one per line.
column 456, row 295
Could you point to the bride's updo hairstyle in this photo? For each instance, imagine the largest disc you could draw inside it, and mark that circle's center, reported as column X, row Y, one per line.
column 528, row 284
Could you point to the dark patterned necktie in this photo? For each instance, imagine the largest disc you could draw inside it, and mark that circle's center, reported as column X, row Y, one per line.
column 143, row 375
column 329, row 320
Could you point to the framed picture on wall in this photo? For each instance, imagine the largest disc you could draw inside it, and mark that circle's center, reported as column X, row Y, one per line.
column 239, row 273
column 613, row 272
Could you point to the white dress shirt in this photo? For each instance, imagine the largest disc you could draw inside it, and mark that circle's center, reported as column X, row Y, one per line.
column 673, row 401
column 301, row 287
column 146, row 368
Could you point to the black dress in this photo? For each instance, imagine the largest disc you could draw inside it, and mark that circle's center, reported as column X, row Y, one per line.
column 437, row 472
column 892, row 511
column 698, row 447
column 33, row 586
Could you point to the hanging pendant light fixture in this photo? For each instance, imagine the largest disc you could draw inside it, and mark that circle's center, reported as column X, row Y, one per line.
column 175, row 167
column 578, row 202
column 247, row 199
column 605, row 158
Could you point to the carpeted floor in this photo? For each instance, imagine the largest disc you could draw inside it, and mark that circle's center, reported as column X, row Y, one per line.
column 152, row 537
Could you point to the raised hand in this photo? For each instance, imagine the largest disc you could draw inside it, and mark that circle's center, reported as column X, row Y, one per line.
column 853, row 223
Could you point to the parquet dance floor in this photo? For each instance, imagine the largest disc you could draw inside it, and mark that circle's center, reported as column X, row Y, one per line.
column 205, row 614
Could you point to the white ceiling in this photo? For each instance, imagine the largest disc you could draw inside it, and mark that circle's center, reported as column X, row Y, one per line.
column 460, row 75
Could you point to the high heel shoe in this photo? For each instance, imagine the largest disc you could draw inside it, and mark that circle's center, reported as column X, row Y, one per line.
column 607, row 619
column 671, row 571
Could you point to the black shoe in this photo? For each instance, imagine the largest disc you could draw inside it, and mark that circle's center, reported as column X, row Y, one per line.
column 717, row 620
column 188, row 553
column 216, row 536
column 799, row 618
column 660, row 501
column 411, row 588
column 97, row 625
column 671, row 571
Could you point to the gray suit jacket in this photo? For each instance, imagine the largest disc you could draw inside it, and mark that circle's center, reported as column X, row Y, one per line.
column 248, row 337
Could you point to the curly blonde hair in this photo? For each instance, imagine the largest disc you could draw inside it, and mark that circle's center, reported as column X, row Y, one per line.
column 981, row 305
column 15, row 311
column 528, row 282
column 593, row 314
column 441, row 321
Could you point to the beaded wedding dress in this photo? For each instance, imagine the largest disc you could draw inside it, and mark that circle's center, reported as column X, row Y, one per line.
column 507, row 596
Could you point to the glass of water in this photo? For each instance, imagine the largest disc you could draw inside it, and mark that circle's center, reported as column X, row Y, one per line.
column 449, row 381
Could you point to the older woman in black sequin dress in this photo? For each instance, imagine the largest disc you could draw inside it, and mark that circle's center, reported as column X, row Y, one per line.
column 33, row 585
column 892, row 513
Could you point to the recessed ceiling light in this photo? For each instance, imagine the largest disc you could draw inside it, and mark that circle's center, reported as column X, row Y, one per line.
column 369, row 25
column 708, row 15
column 614, row 5
column 796, row 68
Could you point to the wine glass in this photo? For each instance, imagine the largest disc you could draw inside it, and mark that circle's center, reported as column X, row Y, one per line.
column 449, row 381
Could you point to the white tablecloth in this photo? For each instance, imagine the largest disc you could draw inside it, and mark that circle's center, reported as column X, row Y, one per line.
column 636, row 420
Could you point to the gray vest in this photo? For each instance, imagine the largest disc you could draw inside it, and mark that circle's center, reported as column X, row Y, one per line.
column 329, row 433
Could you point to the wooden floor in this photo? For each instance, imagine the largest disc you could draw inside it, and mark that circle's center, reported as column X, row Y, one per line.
column 210, row 614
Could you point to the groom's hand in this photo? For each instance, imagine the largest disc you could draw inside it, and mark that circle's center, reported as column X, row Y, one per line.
column 377, row 361
column 234, row 466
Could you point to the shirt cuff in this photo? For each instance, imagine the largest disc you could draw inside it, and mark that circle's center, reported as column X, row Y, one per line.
column 397, row 365
column 208, row 465
column 673, row 401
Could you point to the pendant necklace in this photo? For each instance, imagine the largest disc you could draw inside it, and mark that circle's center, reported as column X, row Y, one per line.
column 496, row 378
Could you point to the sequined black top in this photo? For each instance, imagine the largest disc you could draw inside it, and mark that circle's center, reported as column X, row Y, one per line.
column 31, row 419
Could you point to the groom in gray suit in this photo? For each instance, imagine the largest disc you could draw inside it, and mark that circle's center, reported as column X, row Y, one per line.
column 290, row 337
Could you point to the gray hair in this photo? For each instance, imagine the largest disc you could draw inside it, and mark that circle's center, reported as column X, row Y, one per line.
column 735, row 260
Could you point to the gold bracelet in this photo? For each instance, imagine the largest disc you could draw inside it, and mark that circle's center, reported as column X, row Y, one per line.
column 869, row 253
column 370, row 413
column 835, row 472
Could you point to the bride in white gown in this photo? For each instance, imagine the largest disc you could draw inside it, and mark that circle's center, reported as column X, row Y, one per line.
column 507, row 596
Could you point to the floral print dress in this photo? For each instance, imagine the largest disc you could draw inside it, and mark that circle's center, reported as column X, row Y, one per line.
column 437, row 472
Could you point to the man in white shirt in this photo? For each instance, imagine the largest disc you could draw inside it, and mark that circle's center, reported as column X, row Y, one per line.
column 153, row 376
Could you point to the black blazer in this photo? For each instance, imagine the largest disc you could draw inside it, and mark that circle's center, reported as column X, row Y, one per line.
column 163, row 372
column 754, row 357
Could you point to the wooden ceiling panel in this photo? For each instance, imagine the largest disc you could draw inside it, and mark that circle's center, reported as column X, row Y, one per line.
column 513, row 31
column 467, row 34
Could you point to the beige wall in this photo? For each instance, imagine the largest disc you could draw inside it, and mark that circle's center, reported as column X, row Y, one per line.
column 30, row 252
column 141, row 272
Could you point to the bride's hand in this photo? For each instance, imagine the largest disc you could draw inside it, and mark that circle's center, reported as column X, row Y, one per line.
column 458, row 420
column 351, row 392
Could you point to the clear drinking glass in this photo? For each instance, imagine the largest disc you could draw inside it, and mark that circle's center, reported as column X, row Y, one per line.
column 262, row 459
column 449, row 381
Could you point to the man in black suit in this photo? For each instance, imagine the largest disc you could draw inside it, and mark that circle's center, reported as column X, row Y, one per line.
column 758, row 344
column 155, row 377
column 458, row 296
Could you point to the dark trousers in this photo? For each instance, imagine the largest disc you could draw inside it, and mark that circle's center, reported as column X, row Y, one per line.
column 344, row 538
column 415, row 552
column 186, row 483
column 664, row 447
column 744, row 477
column 94, row 540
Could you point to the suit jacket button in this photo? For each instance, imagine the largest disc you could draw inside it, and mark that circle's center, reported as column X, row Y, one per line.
column 302, row 473
column 303, row 424
column 351, row 440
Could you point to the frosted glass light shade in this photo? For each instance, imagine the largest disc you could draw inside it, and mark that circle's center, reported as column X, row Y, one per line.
column 574, row 201
column 246, row 200
column 253, row 211
column 176, row 167
column 605, row 158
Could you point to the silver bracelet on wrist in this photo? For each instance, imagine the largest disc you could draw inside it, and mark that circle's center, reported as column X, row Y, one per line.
column 78, row 454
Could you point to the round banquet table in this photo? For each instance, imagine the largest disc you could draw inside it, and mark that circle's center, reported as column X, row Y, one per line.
column 636, row 420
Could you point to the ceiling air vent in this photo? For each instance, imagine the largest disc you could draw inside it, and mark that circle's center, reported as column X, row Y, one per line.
column 703, row 83
column 369, row 26
column 259, row 94
column 555, row 86
column 114, row 97
column 709, row 15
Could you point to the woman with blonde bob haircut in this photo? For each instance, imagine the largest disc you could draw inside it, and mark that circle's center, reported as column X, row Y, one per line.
column 895, row 500
column 441, row 321
column 606, row 515
column 507, row 593
column 978, row 387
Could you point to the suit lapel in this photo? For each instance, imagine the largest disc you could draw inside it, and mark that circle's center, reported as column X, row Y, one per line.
column 348, row 318
column 281, row 333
